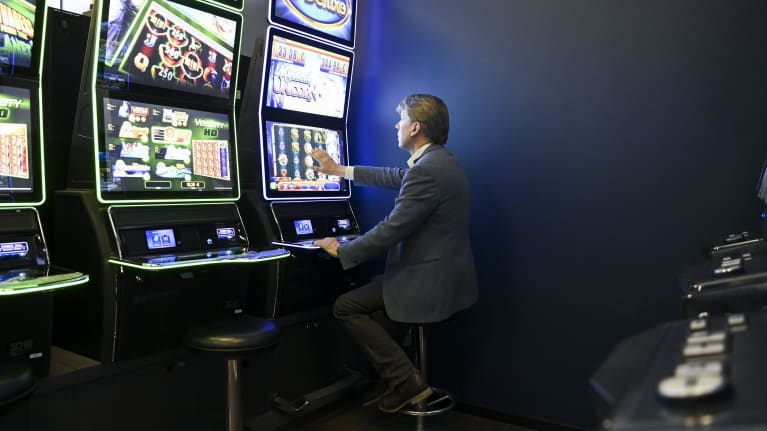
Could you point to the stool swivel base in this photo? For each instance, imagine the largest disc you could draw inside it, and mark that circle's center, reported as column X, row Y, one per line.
column 439, row 401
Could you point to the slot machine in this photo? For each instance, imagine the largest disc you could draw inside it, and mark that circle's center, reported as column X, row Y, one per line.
column 153, row 179
column 296, row 99
column 27, row 278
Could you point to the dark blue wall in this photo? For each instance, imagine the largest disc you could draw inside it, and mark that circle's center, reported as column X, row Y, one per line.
column 605, row 140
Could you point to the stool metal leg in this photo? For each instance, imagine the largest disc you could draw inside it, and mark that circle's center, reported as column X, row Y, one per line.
column 233, row 404
column 420, row 420
column 439, row 402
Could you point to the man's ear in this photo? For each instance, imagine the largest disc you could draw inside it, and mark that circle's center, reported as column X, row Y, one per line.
column 416, row 128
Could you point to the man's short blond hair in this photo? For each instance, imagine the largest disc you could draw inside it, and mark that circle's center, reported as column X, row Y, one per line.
column 431, row 112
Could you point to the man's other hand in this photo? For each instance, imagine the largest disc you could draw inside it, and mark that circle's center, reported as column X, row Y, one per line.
column 329, row 244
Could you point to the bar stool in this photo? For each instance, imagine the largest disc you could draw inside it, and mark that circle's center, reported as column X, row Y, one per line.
column 231, row 340
column 16, row 382
column 440, row 401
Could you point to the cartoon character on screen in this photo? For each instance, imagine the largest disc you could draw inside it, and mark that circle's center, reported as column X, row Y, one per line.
column 210, row 74
column 124, row 110
column 226, row 81
column 121, row 17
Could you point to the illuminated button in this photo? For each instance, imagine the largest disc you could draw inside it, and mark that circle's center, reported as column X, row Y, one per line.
column 738, row 319
column 703, row 349
column 709, row 368
column 706, row 337
column 698, row 324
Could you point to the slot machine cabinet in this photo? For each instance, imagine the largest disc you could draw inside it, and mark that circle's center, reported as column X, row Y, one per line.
column 27, row 281
column 311, row 279
column 27, row 277
column 141, row 306
column 153, row 179
column 289, row 204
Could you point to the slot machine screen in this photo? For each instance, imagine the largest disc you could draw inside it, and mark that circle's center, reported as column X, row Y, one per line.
column 170, row 45
column 305, row 77
column 333, row 20
column 153, row 151
column 18, row 163
column 289, row 167
column 17, row 35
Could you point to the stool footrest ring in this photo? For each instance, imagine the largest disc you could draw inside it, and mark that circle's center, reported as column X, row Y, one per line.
column 439, row 402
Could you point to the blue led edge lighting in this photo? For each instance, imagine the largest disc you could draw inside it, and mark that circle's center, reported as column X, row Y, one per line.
column 196, row 264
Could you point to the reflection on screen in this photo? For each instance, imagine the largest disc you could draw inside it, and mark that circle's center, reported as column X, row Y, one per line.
column 306, row 79
column 160, row 238
column 169, row 45
column 17, row 33
column 15, row 153
column 149, row 147
column 332, row 17
column 291, row 167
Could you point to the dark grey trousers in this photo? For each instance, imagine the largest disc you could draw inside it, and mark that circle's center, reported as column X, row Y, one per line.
column 354, row 311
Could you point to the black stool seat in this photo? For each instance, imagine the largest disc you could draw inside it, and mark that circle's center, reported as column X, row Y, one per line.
column 232, row 339
column 16, row 381
column 241, row 335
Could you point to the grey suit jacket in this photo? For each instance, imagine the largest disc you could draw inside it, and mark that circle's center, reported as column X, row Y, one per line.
column 430, row 270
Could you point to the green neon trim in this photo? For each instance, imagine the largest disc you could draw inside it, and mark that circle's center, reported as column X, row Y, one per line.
column 96, row 115
column 158, row 201
column 224, row 5
column 32, row 287
column 234, row 105
column 41, row 135
column 142, row 267
column 95, row 42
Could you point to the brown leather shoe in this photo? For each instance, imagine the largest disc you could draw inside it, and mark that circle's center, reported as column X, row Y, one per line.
column 375, row 393
column 411, row 391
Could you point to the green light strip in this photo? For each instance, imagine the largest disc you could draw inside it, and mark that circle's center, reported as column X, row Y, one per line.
column 95, row 41
column 38, row 288
column 40, row 134
column 141, row 267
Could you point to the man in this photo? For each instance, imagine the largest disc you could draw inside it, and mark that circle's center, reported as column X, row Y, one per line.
column 429, row 272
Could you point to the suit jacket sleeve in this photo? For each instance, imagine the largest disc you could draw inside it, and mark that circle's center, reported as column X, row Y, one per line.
column 417, row 199
column 378, row 177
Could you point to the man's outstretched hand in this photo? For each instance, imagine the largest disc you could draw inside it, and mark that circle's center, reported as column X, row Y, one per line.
column 327, row 164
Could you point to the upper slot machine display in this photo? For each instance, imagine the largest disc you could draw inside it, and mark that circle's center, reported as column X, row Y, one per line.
column 19, row 42
column 331, row 20
column 156, row 44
